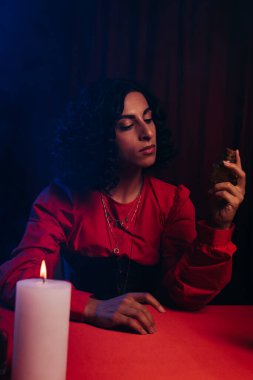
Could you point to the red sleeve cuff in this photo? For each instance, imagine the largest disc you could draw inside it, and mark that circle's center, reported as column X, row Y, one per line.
column 78, row 301
column 213, row 236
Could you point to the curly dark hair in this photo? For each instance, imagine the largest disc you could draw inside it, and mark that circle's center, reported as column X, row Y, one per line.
column 85, row 152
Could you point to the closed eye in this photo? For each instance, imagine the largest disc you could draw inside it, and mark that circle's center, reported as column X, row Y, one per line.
column 125, row 127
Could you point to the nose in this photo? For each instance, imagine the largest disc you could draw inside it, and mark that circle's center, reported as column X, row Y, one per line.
column 145, row 132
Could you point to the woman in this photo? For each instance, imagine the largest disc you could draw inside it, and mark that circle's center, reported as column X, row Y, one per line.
column 128, row 238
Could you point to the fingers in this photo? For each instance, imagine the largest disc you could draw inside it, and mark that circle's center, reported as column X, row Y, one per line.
column 228, row 187
column 238, row 158
column 128, row 311
column 228, row 192
column 228, row 198
column 132, row 308
column 147, row 298
column 142, row 316
column 237, row 169
column 143, row 310
column 240, row 174
column 133, row 324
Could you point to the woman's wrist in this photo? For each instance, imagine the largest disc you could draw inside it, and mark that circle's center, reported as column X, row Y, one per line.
column 90, row 310
column 219, row 225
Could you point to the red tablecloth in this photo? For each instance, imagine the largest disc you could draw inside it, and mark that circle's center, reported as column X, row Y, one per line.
column 215, row 343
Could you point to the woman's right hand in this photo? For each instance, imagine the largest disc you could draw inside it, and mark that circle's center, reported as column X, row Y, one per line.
column 127, row 311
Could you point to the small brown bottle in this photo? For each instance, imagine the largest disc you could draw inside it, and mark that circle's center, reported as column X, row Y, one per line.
column 220, row 172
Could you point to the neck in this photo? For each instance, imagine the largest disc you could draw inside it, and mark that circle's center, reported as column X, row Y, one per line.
column 129, row 186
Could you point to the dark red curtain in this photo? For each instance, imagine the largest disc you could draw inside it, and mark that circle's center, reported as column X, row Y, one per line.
column 197, row 57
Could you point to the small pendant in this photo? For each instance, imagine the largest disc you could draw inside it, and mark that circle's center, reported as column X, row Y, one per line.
column 116, row 251
column 118, row 224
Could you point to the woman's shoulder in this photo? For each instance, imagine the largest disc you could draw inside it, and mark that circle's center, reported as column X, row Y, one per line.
column 59, row 195
column 55, row 194
column 165, row 188
column 169, row 197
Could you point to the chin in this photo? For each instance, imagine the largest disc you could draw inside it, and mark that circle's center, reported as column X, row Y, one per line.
column 141, row 164
column 147, row 163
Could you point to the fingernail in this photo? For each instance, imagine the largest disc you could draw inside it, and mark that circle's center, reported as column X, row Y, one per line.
column 152, row 330
column 144, row 332
column 226, row 162
column 161, row 309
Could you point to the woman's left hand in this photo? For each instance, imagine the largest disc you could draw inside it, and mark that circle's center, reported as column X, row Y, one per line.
column 226, row 197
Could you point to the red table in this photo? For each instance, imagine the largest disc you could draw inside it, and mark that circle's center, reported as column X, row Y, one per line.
column 215, row 343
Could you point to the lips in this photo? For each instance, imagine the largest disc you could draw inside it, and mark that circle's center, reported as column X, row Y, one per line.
column 148, row 149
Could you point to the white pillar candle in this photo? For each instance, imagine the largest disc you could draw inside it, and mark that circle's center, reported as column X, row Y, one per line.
column 41, row 330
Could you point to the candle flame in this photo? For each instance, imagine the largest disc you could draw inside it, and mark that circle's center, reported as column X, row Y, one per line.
column 43, row 270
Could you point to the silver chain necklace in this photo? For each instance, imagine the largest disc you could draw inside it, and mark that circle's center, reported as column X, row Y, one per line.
column 123, row 227
column 117, row 222
column 123, row 271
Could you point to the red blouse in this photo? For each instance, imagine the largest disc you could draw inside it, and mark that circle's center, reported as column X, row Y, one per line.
column 196, row 266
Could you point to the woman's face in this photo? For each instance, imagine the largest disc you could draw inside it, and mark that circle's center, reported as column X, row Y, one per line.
column 136, row 132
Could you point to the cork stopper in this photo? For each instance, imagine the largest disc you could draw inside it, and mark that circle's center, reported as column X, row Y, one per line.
column 230, row 155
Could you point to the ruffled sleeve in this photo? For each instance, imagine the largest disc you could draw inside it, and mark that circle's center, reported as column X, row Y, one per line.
column 196, row 262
